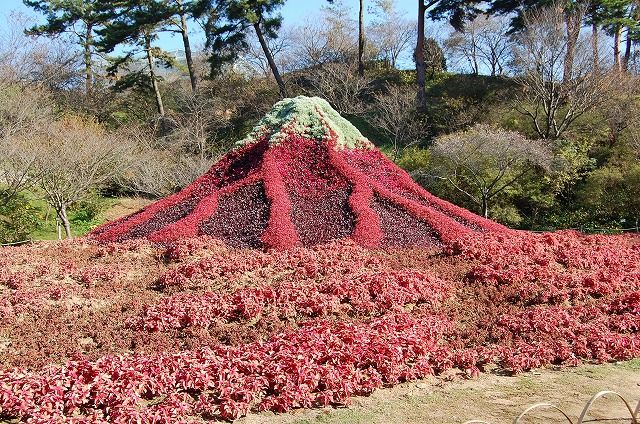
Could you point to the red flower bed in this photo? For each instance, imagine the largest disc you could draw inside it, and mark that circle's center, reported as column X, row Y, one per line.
column 322, row 363
column 166, row 327
column 351, row 295
column 242, row 330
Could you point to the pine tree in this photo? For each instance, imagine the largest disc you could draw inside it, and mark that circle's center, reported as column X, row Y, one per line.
column 134, row 25
column 78, row 17
column 227, row 30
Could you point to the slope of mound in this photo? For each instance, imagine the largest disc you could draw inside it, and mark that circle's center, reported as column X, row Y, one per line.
column 302, row 177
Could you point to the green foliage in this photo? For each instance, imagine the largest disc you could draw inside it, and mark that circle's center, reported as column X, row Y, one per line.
column 456, row 101
column 434, row 58
column 134, row 26
column 611, row 195
column 414, row 159
column 86, row 214
column 228, row 23
column 18, row 219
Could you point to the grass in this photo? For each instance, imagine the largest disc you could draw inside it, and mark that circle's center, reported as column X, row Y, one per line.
column 491, row 397
column 83, row 217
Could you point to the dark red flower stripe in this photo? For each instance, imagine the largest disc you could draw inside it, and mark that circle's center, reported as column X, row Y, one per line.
column 321, row 363
column 188, row 226
column 447, row 229
column 379, row 168
column 203, row 184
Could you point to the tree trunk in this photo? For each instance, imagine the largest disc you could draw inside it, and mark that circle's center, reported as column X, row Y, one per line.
column 595, row 47
column 62, row 214
column 187, row 50
column 627, row 51
column 485, row 206
column 617, row 65
column 361, row 40
column 419, row 57
column 573, row 21
column 152, row 75
column 272, row 63
column 88, row 65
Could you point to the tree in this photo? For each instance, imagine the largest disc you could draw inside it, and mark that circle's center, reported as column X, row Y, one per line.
column 434, row 59
column 611, row 194
column 182, row 11
column 572, row 11
column 457, row 12
column 171, row 16
column 395, row 114
column 483, row 44
column 76, row 157
column 615, row 16
column 551, row 103
column 329, row 39
column 51, row 63
column 24, row 113
column 136, row 24
column 227, row 33
column 361, row 35
column 342, row 86
column 483, row 162
column 361, row 39
column 78, row 17
column 419, row 55
column 392, row 32
column 282, row 49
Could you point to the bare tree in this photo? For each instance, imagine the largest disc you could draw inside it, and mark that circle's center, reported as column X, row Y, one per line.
column 392, row 32
column 329, row 39
column 159, row 167
column 552, row 103
column 483, row 45
column 395, row 114
column 48, row 63
column 24, row 112
column 281, row 49
column 341, row 86
column 75, row 157
column 202, row 118
column 483, row 162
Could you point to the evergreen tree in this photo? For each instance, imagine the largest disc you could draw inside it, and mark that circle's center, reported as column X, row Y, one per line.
column 228, row 24
column 457, row 12
column 78, row 17
column 615, row 16
column 134, row 26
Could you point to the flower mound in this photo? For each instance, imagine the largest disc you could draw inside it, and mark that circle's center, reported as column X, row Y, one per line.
column 167, row 320
column 304, row 176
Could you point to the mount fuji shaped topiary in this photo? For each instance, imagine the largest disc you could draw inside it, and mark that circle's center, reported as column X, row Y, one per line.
column 303, row 176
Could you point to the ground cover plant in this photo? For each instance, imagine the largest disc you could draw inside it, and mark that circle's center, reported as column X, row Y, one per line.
column 302, row 270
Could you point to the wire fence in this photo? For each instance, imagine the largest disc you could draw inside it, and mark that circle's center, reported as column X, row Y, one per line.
column 633, row 416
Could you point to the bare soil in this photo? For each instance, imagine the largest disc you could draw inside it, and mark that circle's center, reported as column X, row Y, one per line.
column 125, row 206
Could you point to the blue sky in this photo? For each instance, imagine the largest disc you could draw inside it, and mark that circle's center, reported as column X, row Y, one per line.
column 294, row 12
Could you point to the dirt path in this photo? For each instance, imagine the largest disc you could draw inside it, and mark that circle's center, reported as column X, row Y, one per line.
column 492, row 398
